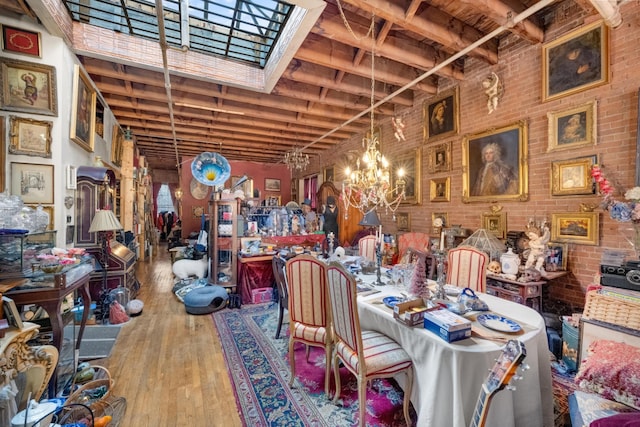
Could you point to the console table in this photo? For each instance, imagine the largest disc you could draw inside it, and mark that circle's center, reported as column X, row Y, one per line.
column 527, row 293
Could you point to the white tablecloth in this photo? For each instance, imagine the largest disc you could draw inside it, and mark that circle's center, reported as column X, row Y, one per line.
column 449, row 376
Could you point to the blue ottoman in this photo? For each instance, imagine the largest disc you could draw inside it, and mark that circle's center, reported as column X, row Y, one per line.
column 206, row 299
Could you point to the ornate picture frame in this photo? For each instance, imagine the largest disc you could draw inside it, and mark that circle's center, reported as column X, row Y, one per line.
column 83, row 110
column 117, row 145
column 573, row 128
column 575, row 61
column 272, row 200
column 17, row 40
column 403, row 221
column 439, row 157
column 32, row 182
column 444, row 216
column 271, row 184
column 30, row 137
column 556, row 256
column 573, row 176
column 410, row 162
column 440, row 190
column 507, row 178
column 28, row 87
column 576, row 227
column 328, row 174
column 3, row 155
column 441, row 116
column 495, row 223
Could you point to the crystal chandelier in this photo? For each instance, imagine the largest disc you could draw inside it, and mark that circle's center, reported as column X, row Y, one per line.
column 295, row 160
column 368, row 187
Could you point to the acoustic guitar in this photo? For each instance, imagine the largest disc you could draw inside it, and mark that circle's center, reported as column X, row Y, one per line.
column 504, row 369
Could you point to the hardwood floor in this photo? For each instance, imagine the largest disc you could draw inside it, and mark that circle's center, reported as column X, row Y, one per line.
column 169, row 364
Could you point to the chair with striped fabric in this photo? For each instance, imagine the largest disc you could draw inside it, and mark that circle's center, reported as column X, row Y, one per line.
column 309, row 312
column 366, row 354
column 467, row 268
column 367, row 247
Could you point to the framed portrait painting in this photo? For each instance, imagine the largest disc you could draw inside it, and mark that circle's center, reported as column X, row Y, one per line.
column 572, row 128
column 30, row 137
column 441, row 115
column 17, row 40
column 409, row 163
column 572, row 177
column 329, row 174
column 556, row 256
column 117, row 145
column 403, row 221
column 439, row 157
column 495, row 223
column 32, row 182
column 28, row 87
column 576, row 61
column 439, row 190
column 495, row 166
column 83, row 110
column 576, row 227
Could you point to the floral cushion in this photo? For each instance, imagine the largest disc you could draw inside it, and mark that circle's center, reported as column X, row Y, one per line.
column 585, row 408
column 612, row 369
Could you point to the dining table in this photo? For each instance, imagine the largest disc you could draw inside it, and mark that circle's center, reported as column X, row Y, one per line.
column 449, row 376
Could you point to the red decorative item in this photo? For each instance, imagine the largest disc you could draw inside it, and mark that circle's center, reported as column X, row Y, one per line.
column 117, row 314
column 20, row 41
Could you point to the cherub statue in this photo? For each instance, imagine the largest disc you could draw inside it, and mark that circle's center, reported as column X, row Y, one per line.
column 538, row 239
column 398, row 128
column 493, row 89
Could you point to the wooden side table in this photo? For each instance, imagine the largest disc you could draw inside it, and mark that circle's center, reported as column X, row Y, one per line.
column 527, row 293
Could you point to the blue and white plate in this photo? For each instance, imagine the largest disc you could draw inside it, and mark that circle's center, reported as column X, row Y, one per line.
column 498, row 323
column 391, row 301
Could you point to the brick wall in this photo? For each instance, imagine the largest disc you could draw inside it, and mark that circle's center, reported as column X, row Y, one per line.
column 519, row 68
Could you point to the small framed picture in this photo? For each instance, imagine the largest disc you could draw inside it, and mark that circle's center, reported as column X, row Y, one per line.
column 70, row 234
column 495, row 223
column 575, row 227
column 272, row 200
column 441, row 116
column 28, row 87
column 32, row 182
column 573, row 128
column 440, row 219
column 556, row 256
column 30, row 137
column 403, row 221
column 271, row 184
column 572, row 177
column 439, row 190
column 17, row 40
column 329, row 174
column 439, row 158
column 11, row 312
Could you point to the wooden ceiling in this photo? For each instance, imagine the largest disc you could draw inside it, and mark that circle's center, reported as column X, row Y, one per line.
column 327, row 83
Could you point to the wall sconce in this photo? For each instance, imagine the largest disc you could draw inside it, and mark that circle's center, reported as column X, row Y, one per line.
column 179, row 193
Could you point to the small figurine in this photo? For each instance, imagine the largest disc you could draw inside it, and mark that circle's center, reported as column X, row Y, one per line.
column 493, row 89
column 538, row 239
column 398, row 128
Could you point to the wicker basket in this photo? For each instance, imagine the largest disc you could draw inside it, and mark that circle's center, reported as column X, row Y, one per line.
column 622, row 310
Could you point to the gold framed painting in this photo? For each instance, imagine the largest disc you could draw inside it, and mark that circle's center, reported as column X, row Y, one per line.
column 28, row 87
column 117, row 145
column 495, row 223
column 439, row 219
column 440, row 190
column 271, row 184
column 3, row 155
column 403, row 221
column 83, row 110
column 328, row 174
column 439, row 157
column 573, row 128
column 556, row 256
column 30, row 137
column 441, row 115
column 495, row 165
column 572, row 177
column 272, row 200
column 410, row 163
column 576, row 227
column 576, row 61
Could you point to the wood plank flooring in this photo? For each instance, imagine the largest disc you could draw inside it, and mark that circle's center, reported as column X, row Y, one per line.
column 169, row 364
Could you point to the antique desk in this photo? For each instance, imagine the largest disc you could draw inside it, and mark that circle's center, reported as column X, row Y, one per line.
column 527, row 293
column 49, row 291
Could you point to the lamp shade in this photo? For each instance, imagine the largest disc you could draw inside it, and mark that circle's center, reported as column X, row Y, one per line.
column 104, row 220
column 370, row 219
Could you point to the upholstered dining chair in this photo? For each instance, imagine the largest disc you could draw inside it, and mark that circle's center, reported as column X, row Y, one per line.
column 367, row 247
column 366, row 354
column 278, row 264
column 467, row 268
column 309, row 313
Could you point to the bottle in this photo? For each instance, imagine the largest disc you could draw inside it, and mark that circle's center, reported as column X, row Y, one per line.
column 510, row 262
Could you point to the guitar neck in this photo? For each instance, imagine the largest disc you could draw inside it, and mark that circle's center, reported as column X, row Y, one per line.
column 482, row 407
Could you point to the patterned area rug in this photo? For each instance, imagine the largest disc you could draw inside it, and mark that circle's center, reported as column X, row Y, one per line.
column 563, row 386
column 258, row 366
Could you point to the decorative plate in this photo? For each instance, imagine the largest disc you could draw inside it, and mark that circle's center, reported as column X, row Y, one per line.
column 498, row 323
column 210, row 169
column 391, row 301
column 198, row 190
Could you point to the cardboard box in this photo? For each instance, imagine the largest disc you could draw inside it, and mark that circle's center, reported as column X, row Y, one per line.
column 447, row 325
column 261, row 295
column 410, row 313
